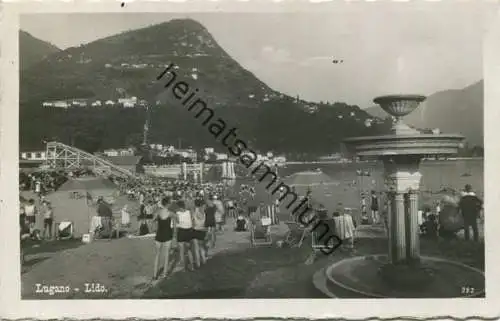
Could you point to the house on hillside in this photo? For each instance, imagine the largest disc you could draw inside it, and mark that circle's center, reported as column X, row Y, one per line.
column 47, row 104
column 109, row 103
column 97, row 103
column 221, row 156
column 186, row 153
column 126, row 152
column 79, row 103
column 128, row 102
column 61, row 104
column 110, row 152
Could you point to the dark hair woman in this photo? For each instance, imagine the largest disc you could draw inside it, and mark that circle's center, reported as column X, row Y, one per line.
column 166, row 221
column 210, row 210
column 199, row 233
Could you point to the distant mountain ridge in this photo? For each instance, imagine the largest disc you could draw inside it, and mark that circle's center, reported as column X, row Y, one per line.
column 127, row 64
column 33, row 50
column 452, row 111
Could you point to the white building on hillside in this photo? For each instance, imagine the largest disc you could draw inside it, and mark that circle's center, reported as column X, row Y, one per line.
column 209, row 150
column 111, row 152
column 128, row 102
column 61, row 104
column 221, row 156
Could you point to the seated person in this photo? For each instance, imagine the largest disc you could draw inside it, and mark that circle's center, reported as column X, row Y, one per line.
column 430, row 227
column 241, row 224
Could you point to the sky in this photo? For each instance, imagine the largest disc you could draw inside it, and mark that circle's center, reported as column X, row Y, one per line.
column 394, row 49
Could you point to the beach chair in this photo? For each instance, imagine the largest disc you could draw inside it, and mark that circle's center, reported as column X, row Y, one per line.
column 64, row 230
column 295, row 235
column 260, row 234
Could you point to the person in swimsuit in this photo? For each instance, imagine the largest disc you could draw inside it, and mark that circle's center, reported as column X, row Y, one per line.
column 184, row 234
column 374, row 208
column 210, row 210
column 48, row 219
column 30, row 211
column 199, row 233
column 166, row 225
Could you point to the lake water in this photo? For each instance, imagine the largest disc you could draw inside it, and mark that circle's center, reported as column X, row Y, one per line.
column 436, row 175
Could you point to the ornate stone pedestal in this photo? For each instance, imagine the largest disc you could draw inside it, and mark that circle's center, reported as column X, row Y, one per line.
column 403, row 272
column 403, row 183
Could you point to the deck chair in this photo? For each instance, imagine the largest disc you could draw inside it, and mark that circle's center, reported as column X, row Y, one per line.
column 295, row 235
column 260, row 234
column 64, row 230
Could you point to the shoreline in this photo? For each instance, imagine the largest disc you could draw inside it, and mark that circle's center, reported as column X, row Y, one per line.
column 374, row 162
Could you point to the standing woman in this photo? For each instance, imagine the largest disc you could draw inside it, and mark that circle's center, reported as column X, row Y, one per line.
column 167, row 223
column 199, row 233
column 30, row 211
column 142, row 226
column 210, row 210
column 219, row 213
column 374, row 208
column 184, row 234
column 48, row 219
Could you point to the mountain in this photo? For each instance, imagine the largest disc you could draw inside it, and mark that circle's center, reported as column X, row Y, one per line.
column 452, row 111
column 128, row 64
column 33, row 50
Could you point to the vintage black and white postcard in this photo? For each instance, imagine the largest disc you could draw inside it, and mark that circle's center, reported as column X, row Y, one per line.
column 159, row 159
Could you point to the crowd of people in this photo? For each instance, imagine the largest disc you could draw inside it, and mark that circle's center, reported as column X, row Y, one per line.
column 448, row 215
column 451, row 214
column 185, row 217
column 42, row 182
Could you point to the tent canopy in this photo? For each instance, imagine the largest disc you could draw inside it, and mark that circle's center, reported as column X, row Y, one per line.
column 310, row 178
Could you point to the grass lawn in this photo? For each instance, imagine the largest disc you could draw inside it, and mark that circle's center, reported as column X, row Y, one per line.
column 270, row 272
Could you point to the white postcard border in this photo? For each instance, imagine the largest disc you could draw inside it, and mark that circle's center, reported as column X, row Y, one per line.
column 12, row 307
